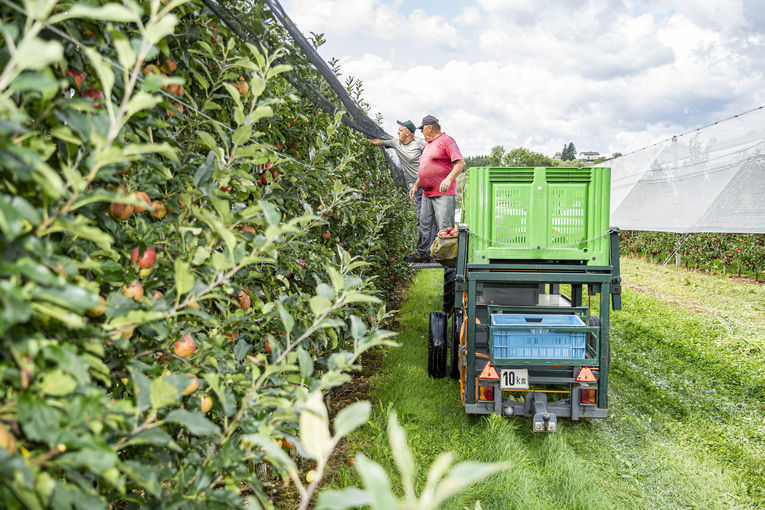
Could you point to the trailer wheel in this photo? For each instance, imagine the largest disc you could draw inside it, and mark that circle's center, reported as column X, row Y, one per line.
column 437, row 345
column 595, row 321
column 450, row 277
column 454, row 356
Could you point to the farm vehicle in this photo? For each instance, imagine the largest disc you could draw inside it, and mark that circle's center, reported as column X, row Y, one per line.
column 536, row 274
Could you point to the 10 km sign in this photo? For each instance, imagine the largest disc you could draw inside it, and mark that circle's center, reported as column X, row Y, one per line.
column 514, row 379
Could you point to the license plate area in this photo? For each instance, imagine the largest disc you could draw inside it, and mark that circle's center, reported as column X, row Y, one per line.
column 514, row 379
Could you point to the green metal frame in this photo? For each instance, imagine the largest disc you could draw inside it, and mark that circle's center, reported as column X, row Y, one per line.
column 603, row 280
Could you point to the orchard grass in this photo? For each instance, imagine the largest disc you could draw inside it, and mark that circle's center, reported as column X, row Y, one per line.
column 685, row 426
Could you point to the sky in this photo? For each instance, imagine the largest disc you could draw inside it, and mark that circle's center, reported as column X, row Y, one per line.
column 608, row 75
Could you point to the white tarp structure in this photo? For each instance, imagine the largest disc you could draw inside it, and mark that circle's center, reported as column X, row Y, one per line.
column 709, row 180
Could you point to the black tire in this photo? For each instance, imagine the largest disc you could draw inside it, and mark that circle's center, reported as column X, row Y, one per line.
column 595, row 321
column 437, row 345
column 454, row 356
column 450, row 276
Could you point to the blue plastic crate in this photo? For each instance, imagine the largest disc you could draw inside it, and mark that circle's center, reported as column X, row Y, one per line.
column 541, row 340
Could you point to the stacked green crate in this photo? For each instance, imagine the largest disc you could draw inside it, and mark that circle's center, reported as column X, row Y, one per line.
column 551, row 214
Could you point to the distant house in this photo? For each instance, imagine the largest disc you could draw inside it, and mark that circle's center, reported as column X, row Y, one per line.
column 589, row 156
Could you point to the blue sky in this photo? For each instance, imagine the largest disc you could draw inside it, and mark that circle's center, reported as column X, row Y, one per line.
column 609, row 75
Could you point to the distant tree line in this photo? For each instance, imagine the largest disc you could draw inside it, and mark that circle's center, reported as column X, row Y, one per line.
column 524, row 157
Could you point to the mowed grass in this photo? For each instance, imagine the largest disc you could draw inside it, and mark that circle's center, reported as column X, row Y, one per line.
column 686, row 426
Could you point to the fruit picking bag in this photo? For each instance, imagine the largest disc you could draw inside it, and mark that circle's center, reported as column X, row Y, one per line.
column 444, row 250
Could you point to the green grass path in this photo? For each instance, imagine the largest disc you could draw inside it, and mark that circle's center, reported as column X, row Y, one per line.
column 686, row 426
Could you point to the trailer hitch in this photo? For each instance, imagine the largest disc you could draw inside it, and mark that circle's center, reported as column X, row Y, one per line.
column 544, row 421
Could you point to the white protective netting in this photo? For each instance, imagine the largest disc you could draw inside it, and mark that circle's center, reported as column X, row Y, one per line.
column 708, row 180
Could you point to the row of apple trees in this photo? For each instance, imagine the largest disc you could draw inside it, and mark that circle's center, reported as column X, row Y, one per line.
column 191, row 254
column 718, row 252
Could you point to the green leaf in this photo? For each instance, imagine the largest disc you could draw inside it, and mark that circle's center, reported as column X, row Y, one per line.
column 160, row 29
column 125, row 51
column 464, row 475
column 234, row 95
column 287, row 319
column 207, row 140
column 281, row 68
column 319, row 305
column 351, row 418
column 305, row 362
column 37, row 54
column 80, row 228
column 241, row 349
column 314, row 426
column 242, row 134
column 358, row 297
column 275, row 452
column 57, row 384
column 376, row 483
column 257, row 86
column 103, row 70
column 337, row 280
column 337, row 186
column 402, row 455
column 108, row 12
column 261, row 112
column 184, row 278
column 195, row 423
column 17, row 216
column 150, row 148
column 71, row 319
column 141, row 101
column 351, row 497
column 145, row 475
column 157, row 436
column 269, row 211
column 163, row 393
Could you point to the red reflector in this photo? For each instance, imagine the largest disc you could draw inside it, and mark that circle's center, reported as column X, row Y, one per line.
column 486, row 393
column 587, row 396
column 489, row 372
column 586, row 375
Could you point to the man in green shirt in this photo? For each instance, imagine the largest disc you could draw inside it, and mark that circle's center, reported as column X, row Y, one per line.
column 408, row 148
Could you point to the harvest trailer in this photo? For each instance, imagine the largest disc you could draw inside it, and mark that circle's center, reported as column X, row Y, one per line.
column 519, row 346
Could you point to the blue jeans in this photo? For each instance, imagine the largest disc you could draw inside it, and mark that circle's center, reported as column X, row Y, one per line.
column 436, row 214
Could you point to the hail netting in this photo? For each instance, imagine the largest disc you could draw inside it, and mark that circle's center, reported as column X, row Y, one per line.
column 353, row 115
column 708, row 180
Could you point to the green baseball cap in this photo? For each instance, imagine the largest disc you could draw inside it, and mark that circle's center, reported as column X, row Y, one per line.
column 408, row 124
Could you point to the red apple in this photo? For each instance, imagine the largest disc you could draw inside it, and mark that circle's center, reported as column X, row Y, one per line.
column 192, row 387
column 158, row 209
column 326, row 235
column 134, row 291
column 145, row 260
column 205, row 403
column 244, row 300
column 120, row 211
column 97, row 310
column 143, row 196
column 268, row 347
column 77, row 76
column 168, row 66
column 184, row 347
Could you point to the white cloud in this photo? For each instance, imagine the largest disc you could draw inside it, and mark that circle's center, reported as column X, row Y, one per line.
column 610, row 75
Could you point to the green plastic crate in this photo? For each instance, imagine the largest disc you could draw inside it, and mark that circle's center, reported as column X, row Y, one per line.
column 538, row 214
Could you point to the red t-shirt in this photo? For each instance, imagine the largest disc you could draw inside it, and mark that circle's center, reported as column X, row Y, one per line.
column 437, row 161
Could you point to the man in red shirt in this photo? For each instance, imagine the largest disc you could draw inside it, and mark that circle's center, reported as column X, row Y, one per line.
column 440, row 164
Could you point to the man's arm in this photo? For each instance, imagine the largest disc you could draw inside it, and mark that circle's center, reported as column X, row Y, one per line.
column 375, row 141
column 414, row 189
column 458, row 166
